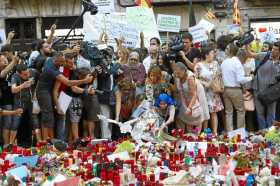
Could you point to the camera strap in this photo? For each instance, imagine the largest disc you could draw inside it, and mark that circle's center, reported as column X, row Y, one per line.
column 265, row 59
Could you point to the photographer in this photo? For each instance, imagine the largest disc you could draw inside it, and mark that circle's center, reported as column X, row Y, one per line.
column 22, row 87
column 7, row 67
column 189, row 55
column 105, row 82
column 266, row 75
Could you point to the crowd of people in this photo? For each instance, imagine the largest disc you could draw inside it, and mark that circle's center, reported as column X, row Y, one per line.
column 213, row 86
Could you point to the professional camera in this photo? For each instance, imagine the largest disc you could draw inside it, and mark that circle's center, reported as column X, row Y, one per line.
column 246, row 39
column 176, row 46
column 91, row 53
column 90, row 7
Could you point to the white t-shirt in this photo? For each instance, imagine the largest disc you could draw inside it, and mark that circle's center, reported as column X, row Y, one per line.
column 147, row 63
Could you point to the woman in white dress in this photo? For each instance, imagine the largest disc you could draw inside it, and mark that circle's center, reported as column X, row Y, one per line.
column 205, row 72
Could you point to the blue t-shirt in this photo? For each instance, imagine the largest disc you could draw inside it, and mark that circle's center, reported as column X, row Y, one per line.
column 48, row 75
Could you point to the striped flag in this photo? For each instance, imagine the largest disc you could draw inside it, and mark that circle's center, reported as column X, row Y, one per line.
column 236, row 13
column 144, row 3
column 209, row 15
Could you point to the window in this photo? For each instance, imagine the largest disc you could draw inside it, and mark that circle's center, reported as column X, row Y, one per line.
column 25, row 32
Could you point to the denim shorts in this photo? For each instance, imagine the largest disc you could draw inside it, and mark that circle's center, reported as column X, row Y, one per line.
column 6, row 121
column 46, row 106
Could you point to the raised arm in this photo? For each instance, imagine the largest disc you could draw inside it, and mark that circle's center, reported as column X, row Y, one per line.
column 71, row 83
column 8, row 68
column 50, row 37
column 10, row 36
column 142, row 44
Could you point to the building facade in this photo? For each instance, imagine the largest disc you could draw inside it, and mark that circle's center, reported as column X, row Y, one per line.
column 31, row 19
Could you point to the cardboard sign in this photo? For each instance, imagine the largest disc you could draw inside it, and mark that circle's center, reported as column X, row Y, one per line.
column 143, row 20
column 129, row 34
column 114, row 24
column 104, row 6
column 198, row 33
column 206, row 25
column 168, row 23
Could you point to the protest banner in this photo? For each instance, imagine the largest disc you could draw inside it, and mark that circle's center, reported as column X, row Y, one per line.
column 198, row 33
column 143, row 20
column 115, row 26
column 168, row 23
column 272, row 31
column 206, row 25
column 104, row 6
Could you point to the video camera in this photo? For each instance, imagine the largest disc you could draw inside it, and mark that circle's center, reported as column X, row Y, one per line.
column 90, row 7
column 176, row 46
column 246, row 39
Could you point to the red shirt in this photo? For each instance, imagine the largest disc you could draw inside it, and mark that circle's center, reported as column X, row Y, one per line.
column 66, row 73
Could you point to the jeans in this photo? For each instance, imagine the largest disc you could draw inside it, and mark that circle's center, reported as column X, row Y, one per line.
column 265, row 113
column 60, row 126
column 106, row 128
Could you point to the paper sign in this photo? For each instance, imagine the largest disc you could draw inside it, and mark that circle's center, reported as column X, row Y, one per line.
column 18, row 173
column 104, row 6
column 121, row 155
column 115, row 26
column 198, row 33
column 69, row 182
column 269, row 37
column 168, row 23
column 270, row 26
column 129, row 33
column 64, row 101
column 240, row 131
column 28, row 160
column 206, row 25
column 143, row 20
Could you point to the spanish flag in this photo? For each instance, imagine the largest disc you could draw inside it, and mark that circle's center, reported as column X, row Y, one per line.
column 236, row 13
column 144, row 3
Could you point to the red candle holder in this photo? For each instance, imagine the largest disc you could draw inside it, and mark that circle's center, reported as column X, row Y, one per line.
column 181, row 133
column 174, row 133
